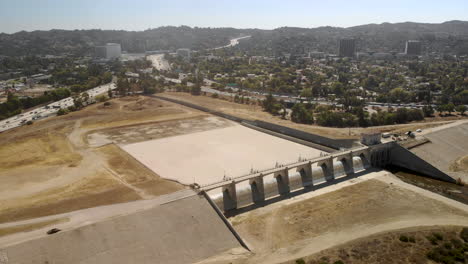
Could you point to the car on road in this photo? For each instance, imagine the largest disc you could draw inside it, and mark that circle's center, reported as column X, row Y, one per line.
column 53, row 231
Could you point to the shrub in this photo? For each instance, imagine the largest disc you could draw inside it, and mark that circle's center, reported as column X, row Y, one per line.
column 61, row 111
column 438, row 236
column 215, row 95
column 338, row 262
column 107, row 103
column 412, row 240
column 432, row 239
column 101, row 98
column 457, row 243
column 452, row 252
column 464, row 234
column 29, row 123
column 300, row 261
column 404, row 238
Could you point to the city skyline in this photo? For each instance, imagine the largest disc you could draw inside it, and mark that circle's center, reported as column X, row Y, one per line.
column 139, row 15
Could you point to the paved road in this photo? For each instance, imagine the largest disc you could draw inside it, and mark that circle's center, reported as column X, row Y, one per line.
column 159, row 62
column 233, row 43
column 48, row 110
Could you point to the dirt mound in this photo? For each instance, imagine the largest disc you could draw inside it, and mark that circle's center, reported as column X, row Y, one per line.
column 403, row 246
column 144, row 103
column 460, row 164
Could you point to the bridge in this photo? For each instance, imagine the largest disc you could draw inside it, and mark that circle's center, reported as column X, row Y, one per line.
column 325, row 166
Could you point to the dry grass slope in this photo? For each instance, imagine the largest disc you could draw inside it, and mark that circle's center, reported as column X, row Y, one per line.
column 48, row 167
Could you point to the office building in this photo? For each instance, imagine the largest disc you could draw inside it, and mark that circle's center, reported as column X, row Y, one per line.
column 347, row 48
column 413, row 47
column 109, row 51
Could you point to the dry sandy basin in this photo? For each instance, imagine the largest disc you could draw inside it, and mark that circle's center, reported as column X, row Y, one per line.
column 206, row 157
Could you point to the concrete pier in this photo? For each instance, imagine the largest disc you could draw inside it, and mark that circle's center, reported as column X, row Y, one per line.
column 306, row 175
column 282, row 179
column 258, row 191
column 229, row 196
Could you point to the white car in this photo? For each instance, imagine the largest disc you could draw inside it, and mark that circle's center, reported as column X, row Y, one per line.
column 418, row 130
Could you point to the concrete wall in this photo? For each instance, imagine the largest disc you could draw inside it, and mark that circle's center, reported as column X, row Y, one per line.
column 183, row 231
column 445, row 147
column 290, row 138
column 329, row 142
column 401, row 157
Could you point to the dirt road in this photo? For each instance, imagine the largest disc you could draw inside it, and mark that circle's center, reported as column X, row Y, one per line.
column 368, row 205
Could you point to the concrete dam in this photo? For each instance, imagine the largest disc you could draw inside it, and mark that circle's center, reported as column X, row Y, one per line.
column 282, row 180
column 260, row 187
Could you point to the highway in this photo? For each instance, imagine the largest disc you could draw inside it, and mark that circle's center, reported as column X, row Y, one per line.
column 159, row 62
column 233, row 42
column 48, row 110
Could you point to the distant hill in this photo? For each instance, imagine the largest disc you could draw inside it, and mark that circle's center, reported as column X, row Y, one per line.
column 447, row 37
column 82, row 42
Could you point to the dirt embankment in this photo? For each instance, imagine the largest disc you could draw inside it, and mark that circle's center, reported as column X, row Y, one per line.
column 48, row 167
column 297, row 229
column 254, row 112
column 460, row 165
column 370, row 203
column 411, row 245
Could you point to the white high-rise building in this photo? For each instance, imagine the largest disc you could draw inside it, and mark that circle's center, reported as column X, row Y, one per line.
column 109, row 51
column 413, row 47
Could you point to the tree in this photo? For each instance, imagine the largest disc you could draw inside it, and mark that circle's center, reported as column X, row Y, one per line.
column 85, row 97
column 307, row 93
column 362, row 120
column 109, row 93
column 450, row 108
column 123, row 86
column 271, row 105
column 300, row 114
column 415, row 115
column 401, row 115
column 461, row 109
column 399, row 95
column 196, row 89
column 77, row 102
column 441, row 108
column 428, row 110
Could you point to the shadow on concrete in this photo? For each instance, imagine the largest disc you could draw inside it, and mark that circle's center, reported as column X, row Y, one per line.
column 297, row 192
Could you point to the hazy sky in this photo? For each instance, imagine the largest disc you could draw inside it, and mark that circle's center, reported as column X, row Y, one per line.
column 17, row 15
